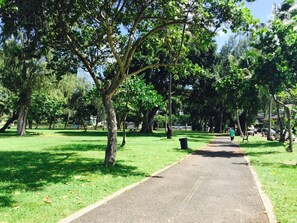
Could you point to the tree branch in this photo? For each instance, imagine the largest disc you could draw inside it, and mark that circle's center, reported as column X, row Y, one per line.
column 132, row 32
column 149, row 67
column 278, row 101
column 147, row 35
column 119, row 8
column 83, row 60
column 118, row 80
column 113, row 49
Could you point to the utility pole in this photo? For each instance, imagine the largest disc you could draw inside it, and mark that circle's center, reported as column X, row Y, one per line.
column 269, row 119
column 169, row 124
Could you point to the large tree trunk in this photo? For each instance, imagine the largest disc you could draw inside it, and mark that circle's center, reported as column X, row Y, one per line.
column 124, row 132
column 111, row 148
column 96, row 124
column 21, row 127
column 269, row 121
column 30, row 123
column 25, row 99
column 288, row 113
column 219, row 123
column 50, row 124
column 124, row 122
column 280, row 123
column 243, row 122
column 238, row 124
column 36, row 124
column 66, row 121
column 9, row 121
column 210, row 125
column 148, row 121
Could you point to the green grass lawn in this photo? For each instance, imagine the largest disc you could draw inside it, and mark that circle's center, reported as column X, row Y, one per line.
column 48, row 175
column 277, row 170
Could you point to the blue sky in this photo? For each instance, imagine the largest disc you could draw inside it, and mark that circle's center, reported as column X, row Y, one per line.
column 261, row 9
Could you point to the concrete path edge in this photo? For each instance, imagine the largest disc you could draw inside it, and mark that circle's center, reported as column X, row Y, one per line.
column 265, row 199
column 81, row 212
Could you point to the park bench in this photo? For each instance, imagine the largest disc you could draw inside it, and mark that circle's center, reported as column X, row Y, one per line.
column 131, row 127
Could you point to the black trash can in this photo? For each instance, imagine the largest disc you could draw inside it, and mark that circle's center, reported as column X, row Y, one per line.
column 183, row 143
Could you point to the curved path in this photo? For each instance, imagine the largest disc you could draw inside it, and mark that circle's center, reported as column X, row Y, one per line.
column 212, row 185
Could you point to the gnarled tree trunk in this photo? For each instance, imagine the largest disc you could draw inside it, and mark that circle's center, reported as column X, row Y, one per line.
column 111, row 148
column 9, row 121
column 218, row 122
column 21, row 127
column 148, row 121
column 289, row 126
column 238, row 124
column 288, row 112
column 25, row 99
column 280, row 123
column 269, row 121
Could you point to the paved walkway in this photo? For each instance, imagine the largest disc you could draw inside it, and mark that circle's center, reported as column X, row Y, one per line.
column 211, row 186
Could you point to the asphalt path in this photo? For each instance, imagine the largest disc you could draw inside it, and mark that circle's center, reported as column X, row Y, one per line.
column 212, row 185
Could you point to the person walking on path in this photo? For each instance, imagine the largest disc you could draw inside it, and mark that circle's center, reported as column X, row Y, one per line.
column 232, row 134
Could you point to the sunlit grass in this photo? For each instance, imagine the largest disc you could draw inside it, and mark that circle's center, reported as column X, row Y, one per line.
column 277, row 170
column 48, row 175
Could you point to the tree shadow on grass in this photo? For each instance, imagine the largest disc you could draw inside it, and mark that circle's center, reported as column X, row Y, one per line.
column 192, row 139
column 31, row 171
column 185, row 151
column 134, row 134
column 276, row 165
column 251, row 149
column 9, row 134
column 80, row 133
column 261, row 153
column 195, row 135
column 78, row 147
column 251, row 145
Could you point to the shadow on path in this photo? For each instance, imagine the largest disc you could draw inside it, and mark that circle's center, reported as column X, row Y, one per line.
column 221, row 154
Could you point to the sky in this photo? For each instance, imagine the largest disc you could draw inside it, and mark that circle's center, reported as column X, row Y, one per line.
column 261, row 9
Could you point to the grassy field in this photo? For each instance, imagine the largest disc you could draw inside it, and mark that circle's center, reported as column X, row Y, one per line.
column 48, row 175
column 277, row 170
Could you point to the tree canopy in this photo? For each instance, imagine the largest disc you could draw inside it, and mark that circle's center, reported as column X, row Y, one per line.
column 98, row 35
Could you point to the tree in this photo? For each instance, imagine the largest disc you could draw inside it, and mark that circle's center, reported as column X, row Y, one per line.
column 145, row 99
column 8, row 107
column 20, row 75
column 98, row 106
column 189, row 57
column 277, row 44
column 81, row 103
column 96, row 32
column 235, row 83
column 23, row 29
column 64, row 89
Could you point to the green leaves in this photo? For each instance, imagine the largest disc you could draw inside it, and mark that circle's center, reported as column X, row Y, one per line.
column 144, row 95
column 277, row 42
